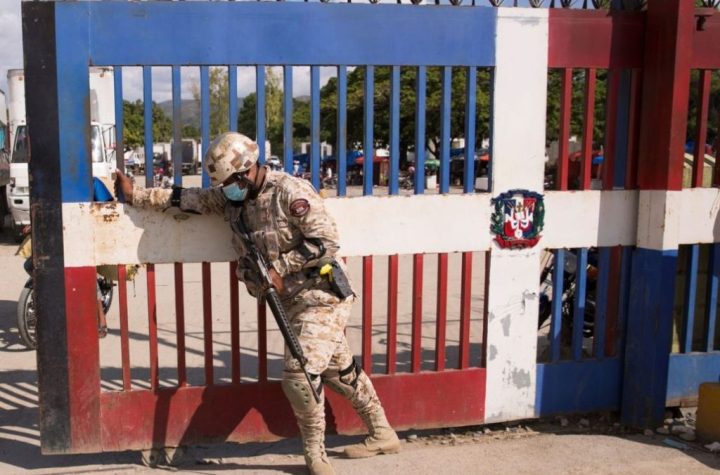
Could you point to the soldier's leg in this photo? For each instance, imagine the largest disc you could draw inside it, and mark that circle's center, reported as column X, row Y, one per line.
column 347, row 378
column 319, row 328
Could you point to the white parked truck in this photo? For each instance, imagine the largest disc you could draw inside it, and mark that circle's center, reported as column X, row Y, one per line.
column 102, row 138
column 4, row 158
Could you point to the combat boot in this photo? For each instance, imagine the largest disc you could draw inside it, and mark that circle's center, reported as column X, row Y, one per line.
column 382, row 438
column 316, row 458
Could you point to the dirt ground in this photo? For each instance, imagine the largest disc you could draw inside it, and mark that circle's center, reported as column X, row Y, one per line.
column 584, row 444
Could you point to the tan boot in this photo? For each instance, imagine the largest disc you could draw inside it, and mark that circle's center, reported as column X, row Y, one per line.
column 310, row 417
column 382, row 438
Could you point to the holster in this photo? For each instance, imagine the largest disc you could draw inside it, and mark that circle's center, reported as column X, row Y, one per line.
column 339, row 283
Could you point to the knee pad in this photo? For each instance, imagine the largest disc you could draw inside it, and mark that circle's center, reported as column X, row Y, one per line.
column 299, row 393
column 345, row 381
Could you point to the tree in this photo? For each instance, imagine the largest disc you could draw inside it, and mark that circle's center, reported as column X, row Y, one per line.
column 219, row 100
column 134, row 124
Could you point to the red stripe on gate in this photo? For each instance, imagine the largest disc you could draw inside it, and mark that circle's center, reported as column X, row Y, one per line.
column 234, row 324
column 564, row 139
column 392, row 313
column 207, row 323
column 442, row 282
column 367, row 315
column 486, row 289
column 262, row 340
column 152, row 326
column 83, row 357
column 702, row 127
column 588, row 125
column 416, row 347
column 259, row 412
column 633, row 122
column 124, row 331
column 465, row 296
column 180, row 324
column 608, row 165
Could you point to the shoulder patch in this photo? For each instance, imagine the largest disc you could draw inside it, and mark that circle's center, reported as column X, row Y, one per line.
column 299, row 207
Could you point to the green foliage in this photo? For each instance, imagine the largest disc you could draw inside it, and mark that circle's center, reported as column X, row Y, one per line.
column 134, row 124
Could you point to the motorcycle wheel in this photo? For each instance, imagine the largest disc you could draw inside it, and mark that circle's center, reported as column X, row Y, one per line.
column 27, row 318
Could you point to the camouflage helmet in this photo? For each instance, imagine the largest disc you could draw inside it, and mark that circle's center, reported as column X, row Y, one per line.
column 229, row 153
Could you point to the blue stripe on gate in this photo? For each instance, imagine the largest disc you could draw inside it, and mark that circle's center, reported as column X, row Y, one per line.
column 420, row 99
column 205, row 118
column 177, row 127
column 368, row 145
column 147, row 118
column 394, row 130
column 687, row 371
column 601, row 301
column 361, row 34
column 341, row 153
column 712, row 296
column 119, row 142
column 260, row 110
column 233, row 99
column 580, row 303
column 690, row 298
column 557, row 296
column 315, row 126
column 445, row 125
column 470, row 107
column 288, row 118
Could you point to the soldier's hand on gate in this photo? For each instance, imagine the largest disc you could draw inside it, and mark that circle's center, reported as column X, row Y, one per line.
column 123, row 187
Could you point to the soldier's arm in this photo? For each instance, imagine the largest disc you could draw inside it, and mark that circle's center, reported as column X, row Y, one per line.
column 306, row 211
column 199, row 200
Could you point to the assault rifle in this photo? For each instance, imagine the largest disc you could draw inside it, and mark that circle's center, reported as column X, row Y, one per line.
column 273, row 299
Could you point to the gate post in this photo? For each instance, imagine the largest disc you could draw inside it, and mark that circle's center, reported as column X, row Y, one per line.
column 520, row 84
column 58, row 115
column 663, row 122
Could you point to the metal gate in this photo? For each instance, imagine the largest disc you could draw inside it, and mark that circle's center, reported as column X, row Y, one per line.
column 448, row 319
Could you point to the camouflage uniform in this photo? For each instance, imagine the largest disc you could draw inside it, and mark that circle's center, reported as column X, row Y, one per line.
column 288, row 223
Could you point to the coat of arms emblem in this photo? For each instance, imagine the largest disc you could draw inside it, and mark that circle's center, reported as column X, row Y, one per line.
column 518, row 218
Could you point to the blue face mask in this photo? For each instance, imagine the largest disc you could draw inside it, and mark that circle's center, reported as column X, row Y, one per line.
column 234, row 192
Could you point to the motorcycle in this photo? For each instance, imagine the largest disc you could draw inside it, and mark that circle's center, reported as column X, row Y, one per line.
column 569, row 286
column 27, row 317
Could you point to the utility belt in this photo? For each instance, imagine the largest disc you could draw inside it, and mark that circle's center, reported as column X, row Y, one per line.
column 327, row 274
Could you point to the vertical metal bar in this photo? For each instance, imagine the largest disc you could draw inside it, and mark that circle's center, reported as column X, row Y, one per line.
column 470, row 109
column 611, row 113
column 207, row 323
column 558, row 274
column 564, row 138
column 602, row 301
column 579, row 304
column 341, row 152
column 441, row 322
column 260, row 110
column 148, row 123
column 233, row 99
column 315, row 126
column 711, row 298
column 288, row 117
column 420, row 102
column 416, row 346
column 367, row 314
column 702, row 127
column 368, row 142
column 624, row 297
column 176, row 149
column 465, row 299
column 394, row 130
column 124, row 331
column 262, row 340
column 588, row 125
column 392, row 313
column 152, row 326
column 612, row 326
column 633, row 122
column 234, row 324
column 119, row 140
column 180, row 324
column 445, row 125
column 690, row 297
column 205, row 118
column 486, row 292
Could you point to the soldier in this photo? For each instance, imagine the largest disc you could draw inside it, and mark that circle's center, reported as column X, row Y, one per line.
column 287, row 221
